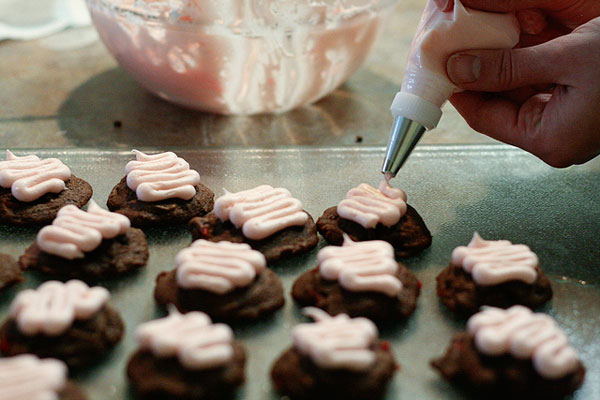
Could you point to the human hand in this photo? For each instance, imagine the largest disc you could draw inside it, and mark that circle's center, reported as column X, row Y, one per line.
column 544, row 95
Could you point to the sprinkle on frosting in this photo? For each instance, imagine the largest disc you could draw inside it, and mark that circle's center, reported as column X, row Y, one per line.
column 218, row 267
column 26, row 377
column 161, row 176
column 525, row 335
column 338, row 342
column 192, row 338
column 29, row 178
column 75, row 231
column 53, row 306
column 368, row 206
column 492, row 262
column 361, row 266
column 261, row 211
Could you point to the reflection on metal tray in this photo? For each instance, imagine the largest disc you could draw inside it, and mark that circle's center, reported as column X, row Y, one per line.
column 498, row 191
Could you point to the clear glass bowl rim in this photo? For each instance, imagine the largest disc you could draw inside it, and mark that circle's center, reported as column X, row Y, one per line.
column 148, row 18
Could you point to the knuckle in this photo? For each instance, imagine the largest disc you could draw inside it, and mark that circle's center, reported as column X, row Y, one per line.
column 530, row 120
column 508, row 71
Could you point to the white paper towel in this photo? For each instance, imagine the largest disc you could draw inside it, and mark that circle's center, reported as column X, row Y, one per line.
column 57, row 15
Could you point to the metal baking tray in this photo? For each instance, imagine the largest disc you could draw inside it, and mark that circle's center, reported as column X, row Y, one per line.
column 499, row 191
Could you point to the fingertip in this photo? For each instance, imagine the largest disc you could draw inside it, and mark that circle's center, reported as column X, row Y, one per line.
column 489, row 114
column 531, row 21
column 465, row 100
column 463, row 68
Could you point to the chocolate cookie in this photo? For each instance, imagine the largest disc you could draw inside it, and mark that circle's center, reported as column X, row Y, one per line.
column 117, row 256
column 84, row 343
column 409, row 236
column 311, row 289
column 10, row 272
column 262, row 297
column 501, row 376
column 296, row 376
column 285, row 243
column 165, row 378
column 459, row 292
column 164, row 212
column 71, row 392
column 43, row 210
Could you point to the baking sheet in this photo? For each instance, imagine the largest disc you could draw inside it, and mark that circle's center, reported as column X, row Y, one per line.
column 501, row 192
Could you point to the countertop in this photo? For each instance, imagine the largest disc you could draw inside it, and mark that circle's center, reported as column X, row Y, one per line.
column 67, row 91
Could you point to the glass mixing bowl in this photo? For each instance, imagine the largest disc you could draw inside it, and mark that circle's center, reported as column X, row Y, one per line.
column 239, row 56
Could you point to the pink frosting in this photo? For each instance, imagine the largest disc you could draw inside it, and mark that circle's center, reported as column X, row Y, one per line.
column 161, row 176
column 75, row 231
column 368, row 206
column 192, row 337
column 525, row 335
column 29, row 178
column 53, row 306
column 493, row 262
column 218, row 267
column 361, row 266
column 441, row 34
column 261, row 211
column 336, row 342
column 26, row 377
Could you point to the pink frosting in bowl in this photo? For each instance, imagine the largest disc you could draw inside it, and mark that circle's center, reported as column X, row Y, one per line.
column 239, row 56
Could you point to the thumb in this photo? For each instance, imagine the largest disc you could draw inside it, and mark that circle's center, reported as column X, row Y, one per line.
column 502, row 70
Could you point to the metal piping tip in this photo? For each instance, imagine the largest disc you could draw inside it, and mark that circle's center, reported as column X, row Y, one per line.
column 403, row 138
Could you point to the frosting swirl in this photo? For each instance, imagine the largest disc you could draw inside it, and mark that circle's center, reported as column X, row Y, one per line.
column 29, row 178
column 520, row 332
column 336, row 342
column 218, row 267
column 75, row 231
column 53, row 306
column 368, row 206
column 493, row 262
column 261, row 211
column 361, row 266
column 161, row 176
column 192, row 337
column 26, row 377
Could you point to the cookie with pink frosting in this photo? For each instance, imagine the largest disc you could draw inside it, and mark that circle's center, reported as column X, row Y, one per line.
column 369, row 213
column 160, row 189
column 228, row 281
column 334, row 358
column 90, row 245
column 69, row 321
column 269, row 219
column 26, row 377
column 32, row 190
column 361, row 279
column 186, row 356
column 512, row 353
column 495, row 273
